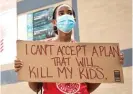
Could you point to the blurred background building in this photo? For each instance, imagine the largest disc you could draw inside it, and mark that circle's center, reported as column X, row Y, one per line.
column 96, row 21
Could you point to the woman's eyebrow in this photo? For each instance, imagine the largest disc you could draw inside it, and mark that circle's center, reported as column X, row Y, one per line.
column 69, row 10
column 61, row 11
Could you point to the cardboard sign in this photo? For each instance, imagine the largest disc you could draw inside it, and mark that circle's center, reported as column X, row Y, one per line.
column 69, row 62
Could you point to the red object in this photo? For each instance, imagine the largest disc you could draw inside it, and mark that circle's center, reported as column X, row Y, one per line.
column 65, row 88
column 1, row 45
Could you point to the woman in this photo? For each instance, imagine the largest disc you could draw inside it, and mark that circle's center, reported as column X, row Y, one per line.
column 63, row 21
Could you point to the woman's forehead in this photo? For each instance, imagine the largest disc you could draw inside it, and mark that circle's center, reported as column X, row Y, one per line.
column 64, row 7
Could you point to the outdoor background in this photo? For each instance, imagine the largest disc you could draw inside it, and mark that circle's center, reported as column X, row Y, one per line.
column 97, row 21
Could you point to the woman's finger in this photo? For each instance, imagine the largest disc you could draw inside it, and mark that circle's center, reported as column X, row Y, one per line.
column 18, row 66
column 121, row 57
column 17, row 69
column 121, row 61
column 122, row 54
column 18, row 62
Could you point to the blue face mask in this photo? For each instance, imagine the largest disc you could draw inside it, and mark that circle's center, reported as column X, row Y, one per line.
column 65, row 23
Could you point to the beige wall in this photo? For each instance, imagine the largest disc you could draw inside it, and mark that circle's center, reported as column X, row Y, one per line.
column 7, row 4
column 105, row 21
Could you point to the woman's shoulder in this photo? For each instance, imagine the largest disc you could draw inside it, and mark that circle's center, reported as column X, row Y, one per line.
column 73, row 41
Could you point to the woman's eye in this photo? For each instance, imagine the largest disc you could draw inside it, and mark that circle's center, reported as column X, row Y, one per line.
column 70, row 13
column 61, row 13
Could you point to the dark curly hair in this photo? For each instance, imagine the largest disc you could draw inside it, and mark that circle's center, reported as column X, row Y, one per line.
column 54, row 17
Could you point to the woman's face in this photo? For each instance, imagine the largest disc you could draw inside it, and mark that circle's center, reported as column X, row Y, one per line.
column 62, row 10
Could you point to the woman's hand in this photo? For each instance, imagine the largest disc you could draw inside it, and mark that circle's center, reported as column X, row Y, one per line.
column 121, row 58
column 18, row 65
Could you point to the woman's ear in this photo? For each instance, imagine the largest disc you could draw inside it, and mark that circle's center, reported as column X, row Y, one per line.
column 54, row 22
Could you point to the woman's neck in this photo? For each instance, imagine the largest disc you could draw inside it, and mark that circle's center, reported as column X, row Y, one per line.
column 64, row 38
